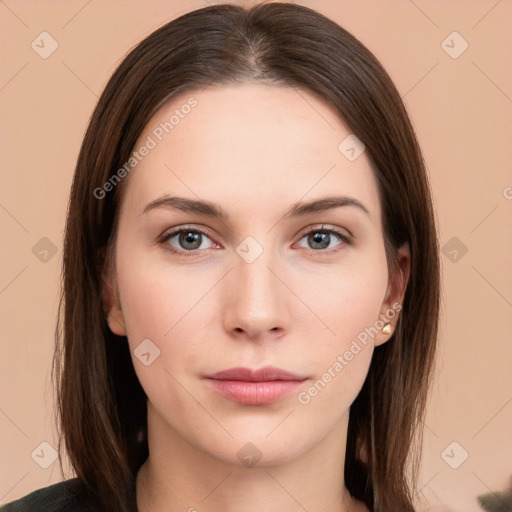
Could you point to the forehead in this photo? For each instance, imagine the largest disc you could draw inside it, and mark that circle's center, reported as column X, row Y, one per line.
column 245, row 145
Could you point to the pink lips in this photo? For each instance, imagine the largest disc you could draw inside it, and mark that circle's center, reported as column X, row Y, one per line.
column 255, row 387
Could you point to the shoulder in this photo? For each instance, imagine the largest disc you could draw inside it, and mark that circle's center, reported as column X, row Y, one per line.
column 59, row 497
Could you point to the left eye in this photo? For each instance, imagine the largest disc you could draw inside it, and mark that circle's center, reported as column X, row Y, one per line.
column 322, row 238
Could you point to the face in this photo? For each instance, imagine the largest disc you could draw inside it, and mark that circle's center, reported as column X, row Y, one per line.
column 265, row 285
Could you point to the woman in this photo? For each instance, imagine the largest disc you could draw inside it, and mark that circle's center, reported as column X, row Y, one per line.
column 250, row 277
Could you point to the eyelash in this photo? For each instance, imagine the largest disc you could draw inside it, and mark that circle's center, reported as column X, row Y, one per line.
column 167, row 236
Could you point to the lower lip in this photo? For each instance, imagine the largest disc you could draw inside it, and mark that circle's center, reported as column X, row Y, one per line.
column 255, row 393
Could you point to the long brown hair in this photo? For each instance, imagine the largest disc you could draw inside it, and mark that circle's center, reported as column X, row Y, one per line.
column 101, row 412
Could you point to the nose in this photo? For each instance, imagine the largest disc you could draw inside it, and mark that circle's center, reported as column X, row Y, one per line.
column 256, row 300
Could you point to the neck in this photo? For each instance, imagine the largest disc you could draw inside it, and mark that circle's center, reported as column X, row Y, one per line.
column 178, row 477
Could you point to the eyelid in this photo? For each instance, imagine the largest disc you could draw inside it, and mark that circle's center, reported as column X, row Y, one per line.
column 344, row 232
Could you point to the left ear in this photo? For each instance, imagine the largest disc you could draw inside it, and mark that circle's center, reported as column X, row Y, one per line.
column 393, row 302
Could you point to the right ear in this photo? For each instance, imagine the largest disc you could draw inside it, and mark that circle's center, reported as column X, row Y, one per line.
column 110, row 294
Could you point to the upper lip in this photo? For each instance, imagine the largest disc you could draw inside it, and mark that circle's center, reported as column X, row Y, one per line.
column 269, row 373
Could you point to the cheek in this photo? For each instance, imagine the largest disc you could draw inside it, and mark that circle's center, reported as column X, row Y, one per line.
column 147, row 306
column 156, row 305
column 348, row 304
column 154, row 295
column 340, row 361
column 348, row 308
column 165, row 304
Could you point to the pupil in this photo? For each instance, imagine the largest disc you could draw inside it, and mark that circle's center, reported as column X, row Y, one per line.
column 191, row 238
column 322, row 239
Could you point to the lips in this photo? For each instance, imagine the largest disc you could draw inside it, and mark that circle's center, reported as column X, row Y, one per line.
column 255, row 387
column 264, row 374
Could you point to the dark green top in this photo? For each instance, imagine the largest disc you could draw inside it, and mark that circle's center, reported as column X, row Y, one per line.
column 59, row 497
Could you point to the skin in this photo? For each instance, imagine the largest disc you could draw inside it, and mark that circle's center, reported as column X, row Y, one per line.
column 253, row 149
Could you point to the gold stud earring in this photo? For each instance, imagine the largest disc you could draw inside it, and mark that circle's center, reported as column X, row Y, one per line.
column 387, row 328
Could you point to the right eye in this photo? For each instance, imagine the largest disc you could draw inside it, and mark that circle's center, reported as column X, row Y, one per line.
column 188, row 240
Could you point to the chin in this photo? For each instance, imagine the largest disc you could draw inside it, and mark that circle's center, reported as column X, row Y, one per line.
column 258, row 451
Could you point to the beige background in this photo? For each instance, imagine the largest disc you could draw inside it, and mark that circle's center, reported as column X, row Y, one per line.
column 462, row 110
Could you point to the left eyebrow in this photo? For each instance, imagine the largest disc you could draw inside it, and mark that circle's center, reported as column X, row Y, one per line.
column 213, row 210
column 327, row 203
